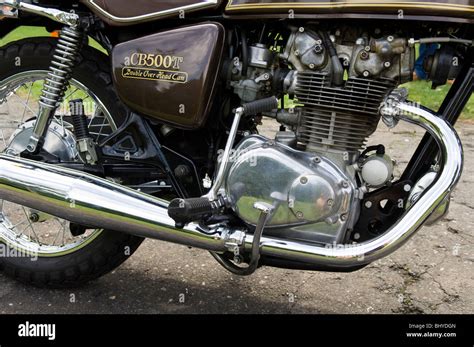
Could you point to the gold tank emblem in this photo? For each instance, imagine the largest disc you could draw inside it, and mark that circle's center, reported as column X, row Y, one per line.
column 154, row 67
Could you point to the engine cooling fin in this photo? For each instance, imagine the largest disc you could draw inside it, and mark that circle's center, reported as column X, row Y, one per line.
column 339, row 119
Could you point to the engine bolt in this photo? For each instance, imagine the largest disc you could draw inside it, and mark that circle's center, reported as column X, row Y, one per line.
column 407, row 188
column 390, row 38
column 318, row 49
column 238, row 259
column 343, row 217
column 368, row 204
column 304, row 180
column 317, row 160
column 367, row 48
column 356, row 236
column 300, row 215
column 364, row 55
column 330, row 202
column 345, row 184
column 311, row 66
column 366, row 73
column 301, row 30
column 387, row 64
column 297, row 53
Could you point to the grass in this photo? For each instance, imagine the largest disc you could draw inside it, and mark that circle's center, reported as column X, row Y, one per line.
column 24, row 32
column 420, row 91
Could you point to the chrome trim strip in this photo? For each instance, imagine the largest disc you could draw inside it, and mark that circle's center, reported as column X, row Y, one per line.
column 347, row 5
column 96, row 202
column 151, row 16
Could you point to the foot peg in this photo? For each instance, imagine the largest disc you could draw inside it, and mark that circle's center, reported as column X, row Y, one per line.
column 184, row 211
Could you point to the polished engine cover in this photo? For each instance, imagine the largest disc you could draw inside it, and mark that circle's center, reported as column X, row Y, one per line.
column 170, row 76
column 313, row 198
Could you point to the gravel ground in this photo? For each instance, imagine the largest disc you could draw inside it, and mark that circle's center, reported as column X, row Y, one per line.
column 432, row 273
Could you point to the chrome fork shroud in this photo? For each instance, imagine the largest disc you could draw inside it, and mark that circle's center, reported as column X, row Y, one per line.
column 95, row 202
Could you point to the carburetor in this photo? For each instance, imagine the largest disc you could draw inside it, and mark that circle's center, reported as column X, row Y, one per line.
column 252, row 79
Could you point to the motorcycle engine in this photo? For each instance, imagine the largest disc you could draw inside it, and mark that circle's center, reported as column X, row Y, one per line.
column 313, row 173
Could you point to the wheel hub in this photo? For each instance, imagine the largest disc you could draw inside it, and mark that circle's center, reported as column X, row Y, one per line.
column 59, row 141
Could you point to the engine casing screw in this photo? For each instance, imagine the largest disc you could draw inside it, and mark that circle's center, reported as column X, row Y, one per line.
column 318, row 49
column 304, row 180
column 364, row 55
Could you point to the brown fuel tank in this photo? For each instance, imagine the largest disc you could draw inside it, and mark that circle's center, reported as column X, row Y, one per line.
column 442, row 8
column 170, row 76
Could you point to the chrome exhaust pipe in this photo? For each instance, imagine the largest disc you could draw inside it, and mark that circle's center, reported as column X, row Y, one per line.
column 96, row 202
column 343, row 256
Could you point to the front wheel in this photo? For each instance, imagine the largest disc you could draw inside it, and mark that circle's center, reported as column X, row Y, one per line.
column 41, row 249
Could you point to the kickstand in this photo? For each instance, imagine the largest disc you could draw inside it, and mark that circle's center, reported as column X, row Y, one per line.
column 266, row 211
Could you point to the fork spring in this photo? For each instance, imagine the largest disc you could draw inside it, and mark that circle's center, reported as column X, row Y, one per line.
column 62, row 64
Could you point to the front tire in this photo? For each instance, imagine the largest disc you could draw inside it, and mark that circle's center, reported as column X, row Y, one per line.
column 106, row 249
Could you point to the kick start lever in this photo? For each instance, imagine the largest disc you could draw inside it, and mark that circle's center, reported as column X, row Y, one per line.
column 251, row 108
column 184, row 211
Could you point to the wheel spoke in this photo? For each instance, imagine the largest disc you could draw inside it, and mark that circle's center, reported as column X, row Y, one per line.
column 31, row 224
column 27, row 101
column 19, row 223
column 71, row 94
column 3, row 139
column 55, row 239
column 26, row 106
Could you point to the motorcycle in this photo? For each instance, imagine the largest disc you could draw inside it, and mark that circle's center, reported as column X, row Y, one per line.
column 140, row 120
